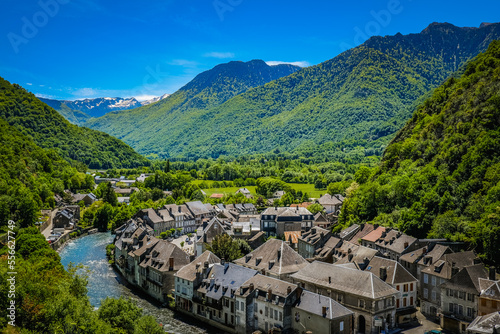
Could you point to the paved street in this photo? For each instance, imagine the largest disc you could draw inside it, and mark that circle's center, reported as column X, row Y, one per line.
column 425, row 325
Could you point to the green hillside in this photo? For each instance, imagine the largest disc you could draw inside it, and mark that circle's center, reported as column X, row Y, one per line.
column 48, row 129
column 206, row 90
column 360, row 98
column 73, row 116
column 440, row 176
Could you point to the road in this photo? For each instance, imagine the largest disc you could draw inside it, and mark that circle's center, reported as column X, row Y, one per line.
column 48, row 230
column 425, row 325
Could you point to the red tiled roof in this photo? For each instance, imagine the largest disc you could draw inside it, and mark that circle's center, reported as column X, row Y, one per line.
column 293, row 236
column 374, row 235
column 216, row 195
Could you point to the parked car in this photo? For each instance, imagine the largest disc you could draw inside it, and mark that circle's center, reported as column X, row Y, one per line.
column 434, row 331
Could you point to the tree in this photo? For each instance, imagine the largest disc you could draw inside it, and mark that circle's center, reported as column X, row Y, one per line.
column 120, row 313
column 167, row 166
column 147, row 325
column 315, row 208
column 225, row 247
column 103, row 217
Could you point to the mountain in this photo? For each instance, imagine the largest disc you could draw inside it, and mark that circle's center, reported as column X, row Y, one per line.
column 48, row 129
column 94, row 107
column 440, row 175
column 155, row 99
column 208, row 89
column 73, row 116
column 359, row 98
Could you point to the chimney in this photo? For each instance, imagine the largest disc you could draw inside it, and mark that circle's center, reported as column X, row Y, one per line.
column 205, row 265
column 323, row 311
column 179, row 208
column 424, row 250
column 205, row 224
column 492, row 274
column 198, row 265
column 329, row 279
column 212, row 281
column 350, row 257
column 269, row 294
column 279, row 254
column 288, row 290
column 383, row 273
column 251, row 287
column 205, row 238
column 170, row 210
column 406, row 245
column 366, row 261
column 226, row 267
column 454, row 269
column 222, row 261
column 171, row 263
column 241, row 290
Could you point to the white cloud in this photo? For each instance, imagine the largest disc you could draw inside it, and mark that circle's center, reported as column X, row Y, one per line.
column 296, row 63
column 220, row 55
column 183, row 62
column 46, row 96
column 29, row 84
column 86, row 93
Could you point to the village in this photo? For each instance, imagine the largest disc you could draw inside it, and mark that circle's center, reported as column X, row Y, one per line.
column 299, row 277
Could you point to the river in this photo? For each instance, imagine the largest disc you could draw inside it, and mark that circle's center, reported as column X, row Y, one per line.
column 104, row 282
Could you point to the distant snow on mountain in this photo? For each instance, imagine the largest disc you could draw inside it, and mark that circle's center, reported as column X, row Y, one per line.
column 155, row 99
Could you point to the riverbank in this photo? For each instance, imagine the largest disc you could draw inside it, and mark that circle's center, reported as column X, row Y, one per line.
column 104, row 281
column 65, row 238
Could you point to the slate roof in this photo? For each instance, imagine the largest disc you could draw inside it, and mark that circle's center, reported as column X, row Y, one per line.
column 224, row 280
column 160, row 254
column 396, row 273
column 263, row 283
column 352, row 281
column 489, row 289
column 314, row 235
column 359, row 253
column 313, row 303
column 395, row 241
column 188, row 272
column 433, row 253
column 467, row 279
column 349, row 232
column 328, row 199
column 148, row 242
column 152, row 215
column 197, row 208
column 213, row 229
column 320, row 218
column 283, row 211
column 485, row 323
column 328, row 247
column 274, row 256
column 243, row 191
column 442, row 267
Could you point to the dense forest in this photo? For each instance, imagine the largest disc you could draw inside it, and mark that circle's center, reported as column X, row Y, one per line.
column 360, row 98
column 30, row 176
column 440, row 176
column 48, row 129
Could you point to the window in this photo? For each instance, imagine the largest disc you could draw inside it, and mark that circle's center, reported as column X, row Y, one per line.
column 426, row 293
column 341, row 325
column 242, row 306
column 426, row 279
column 405, row 288
column 433, row 295
column 281, row 316
column 361, row 303
column 411, row 301
column 470, row 312
column 460, row 309
column 397, row 287
column 411, row 286
column 267, row 312
column 276, row 314
column 404, row 302
column 433, row 280
column 237, row 306
column 271, row 313
column 450, row 307
column 397, row 303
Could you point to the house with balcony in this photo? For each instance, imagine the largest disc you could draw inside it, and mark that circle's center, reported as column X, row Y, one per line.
column 275, row 221
column 489, row 299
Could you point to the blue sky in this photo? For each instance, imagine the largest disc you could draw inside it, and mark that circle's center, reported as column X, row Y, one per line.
column 74, row 49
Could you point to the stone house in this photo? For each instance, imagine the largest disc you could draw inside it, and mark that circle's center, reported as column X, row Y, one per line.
column 275, row 259
column 64, row 218
column 214, row 300
column 417, row 260
column 485, row 324
column 309, row 242
column 207, row 233
column 459, row 298
column 265, row 303
column 275, row 221
column 391, row 243
column 331, row 203
column 372, row 300
column 189, row 277
column 87, row 199
column 436, row 274
column 489, row 299
column 320, row 314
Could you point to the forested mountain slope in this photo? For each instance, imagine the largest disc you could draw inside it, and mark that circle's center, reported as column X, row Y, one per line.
column 363, row 96
column 48, row 129
column 440, row 176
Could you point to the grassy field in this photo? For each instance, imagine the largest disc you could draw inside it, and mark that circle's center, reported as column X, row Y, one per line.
column 308, row 188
